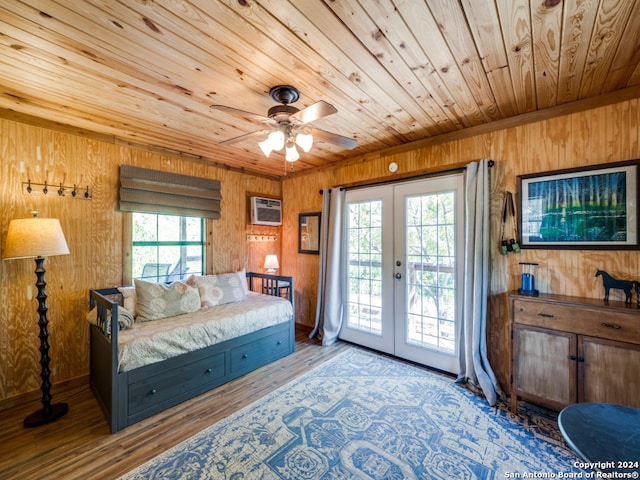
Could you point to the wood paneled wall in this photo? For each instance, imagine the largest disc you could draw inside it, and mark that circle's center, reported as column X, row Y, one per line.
column 601, row 135
column 93, row 229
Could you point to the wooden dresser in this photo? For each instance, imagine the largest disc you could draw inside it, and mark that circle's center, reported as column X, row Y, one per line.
column 571, row 349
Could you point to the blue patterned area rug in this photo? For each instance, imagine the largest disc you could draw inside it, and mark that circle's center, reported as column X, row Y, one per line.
column 367, row 416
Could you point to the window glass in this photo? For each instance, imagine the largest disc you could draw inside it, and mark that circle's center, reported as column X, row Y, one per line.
column 194, row 230
column 169, row 228
column 145, row 227
column 166, row 248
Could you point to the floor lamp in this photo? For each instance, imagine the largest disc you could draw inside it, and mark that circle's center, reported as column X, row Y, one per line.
column 38, row 238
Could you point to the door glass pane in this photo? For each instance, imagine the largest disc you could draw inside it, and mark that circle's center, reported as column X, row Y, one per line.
column 430, row 262
column 364, row 269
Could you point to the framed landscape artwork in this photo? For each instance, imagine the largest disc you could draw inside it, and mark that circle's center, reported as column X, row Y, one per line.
column 595, row 207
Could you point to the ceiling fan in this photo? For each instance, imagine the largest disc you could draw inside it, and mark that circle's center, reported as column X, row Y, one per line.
column 289, row 125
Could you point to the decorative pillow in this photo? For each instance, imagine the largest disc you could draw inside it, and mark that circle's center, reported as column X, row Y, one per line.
column 160, row 300
column 220, row 289
column 129, row 295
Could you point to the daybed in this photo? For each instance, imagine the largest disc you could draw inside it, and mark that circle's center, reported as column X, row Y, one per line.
column 206, row 348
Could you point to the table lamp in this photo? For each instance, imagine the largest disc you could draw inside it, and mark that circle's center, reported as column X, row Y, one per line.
column 38, row 238
column 271, row 264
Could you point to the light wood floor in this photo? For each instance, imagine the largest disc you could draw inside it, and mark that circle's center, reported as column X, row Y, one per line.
column 79, row 445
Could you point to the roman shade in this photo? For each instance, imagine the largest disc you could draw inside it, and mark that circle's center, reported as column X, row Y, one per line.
column 151, row 191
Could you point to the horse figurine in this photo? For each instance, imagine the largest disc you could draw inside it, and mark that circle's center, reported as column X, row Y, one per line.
column 609, row 282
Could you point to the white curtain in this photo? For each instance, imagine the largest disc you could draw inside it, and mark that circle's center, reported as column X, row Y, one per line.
column 473, row 361
column 329, row 305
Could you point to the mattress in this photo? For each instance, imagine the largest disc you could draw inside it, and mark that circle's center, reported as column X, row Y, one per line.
column 157, row 340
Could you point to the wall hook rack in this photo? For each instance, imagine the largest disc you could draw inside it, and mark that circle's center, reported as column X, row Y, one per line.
column 77, row 191
column 261, row 237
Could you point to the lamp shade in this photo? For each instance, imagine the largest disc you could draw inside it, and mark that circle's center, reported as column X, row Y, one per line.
column 271, row 262
column 291, row 154
column 35, row 237
column 304, row 141
column 277, row 140
column 266, row 147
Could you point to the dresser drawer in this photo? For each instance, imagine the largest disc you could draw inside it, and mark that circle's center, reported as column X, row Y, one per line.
column 156, row 389
column 247, row 356
column 595, row 322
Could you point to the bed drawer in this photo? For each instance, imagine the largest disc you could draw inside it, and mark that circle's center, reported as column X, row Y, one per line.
column 250, row 355
column 156, row 389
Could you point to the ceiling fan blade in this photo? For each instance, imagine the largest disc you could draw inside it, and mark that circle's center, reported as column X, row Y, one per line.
column 314, row 112
column 242, row 113
column 328, row 137
column 244, row 137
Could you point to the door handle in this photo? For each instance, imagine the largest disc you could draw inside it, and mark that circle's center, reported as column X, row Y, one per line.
column 398, row 275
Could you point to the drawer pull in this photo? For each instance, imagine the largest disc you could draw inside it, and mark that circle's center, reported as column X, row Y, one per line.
column 547, row 315
column 611, row 325
column 279, row 342
column 153, row 391
column 208, row 370
column 245, row 355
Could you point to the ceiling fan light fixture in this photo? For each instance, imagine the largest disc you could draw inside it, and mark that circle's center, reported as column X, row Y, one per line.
column 304, row 141
column 289, row 125
column 291, row 154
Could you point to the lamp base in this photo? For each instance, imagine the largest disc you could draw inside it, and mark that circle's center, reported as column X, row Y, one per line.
column 531, row 293
column 38, row 418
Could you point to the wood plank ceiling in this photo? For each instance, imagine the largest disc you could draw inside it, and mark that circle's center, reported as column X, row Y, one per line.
column 147, row 71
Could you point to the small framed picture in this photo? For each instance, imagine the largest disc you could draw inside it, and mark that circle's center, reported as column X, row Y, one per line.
column 309, row 233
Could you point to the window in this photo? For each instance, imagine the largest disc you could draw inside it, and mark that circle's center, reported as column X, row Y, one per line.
column 166, row 248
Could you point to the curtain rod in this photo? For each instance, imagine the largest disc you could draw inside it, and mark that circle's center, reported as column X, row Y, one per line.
column 355, row 186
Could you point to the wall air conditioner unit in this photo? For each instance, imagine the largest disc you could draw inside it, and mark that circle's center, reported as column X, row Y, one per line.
column 266, row 211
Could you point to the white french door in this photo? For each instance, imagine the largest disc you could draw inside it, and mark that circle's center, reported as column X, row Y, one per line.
column 368, row 268
column 403, row 257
